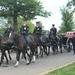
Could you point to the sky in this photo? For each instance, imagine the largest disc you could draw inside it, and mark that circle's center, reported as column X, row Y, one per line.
column 54, row 7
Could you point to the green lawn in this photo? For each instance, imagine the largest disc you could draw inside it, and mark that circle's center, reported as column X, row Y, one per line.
column 68, row 70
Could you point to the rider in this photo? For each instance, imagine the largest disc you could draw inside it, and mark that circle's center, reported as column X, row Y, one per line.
column 73, row 42
column 53, row 30
column 24, row 31
column 9, row 29
column 38, row 31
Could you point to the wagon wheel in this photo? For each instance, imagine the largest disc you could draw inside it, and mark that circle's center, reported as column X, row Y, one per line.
column 68, row 48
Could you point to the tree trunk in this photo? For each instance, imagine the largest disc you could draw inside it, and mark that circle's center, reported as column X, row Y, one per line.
column 15, row 20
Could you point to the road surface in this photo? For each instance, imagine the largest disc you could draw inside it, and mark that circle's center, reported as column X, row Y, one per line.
column 41, row 65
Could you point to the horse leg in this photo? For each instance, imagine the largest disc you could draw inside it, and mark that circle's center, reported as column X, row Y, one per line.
column 36, row 53
column 41, row 51
column 2, row 57
column 6, row 58
column 60, row 46
column 48, row 48
column 18, row 58
column 9, row 55
column 53, row 50
column 22, row 56
column 27, row 58
column 57, row 49
column 33, row 56
column 33, row 59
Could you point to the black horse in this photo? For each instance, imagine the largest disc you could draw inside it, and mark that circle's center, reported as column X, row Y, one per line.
column 42, row 45
column 59, row 41
column 46, row 34
column 53, row 42
column 45, row 44
column 5, row 46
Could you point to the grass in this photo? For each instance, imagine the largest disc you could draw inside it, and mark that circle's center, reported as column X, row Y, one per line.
column 67, row 70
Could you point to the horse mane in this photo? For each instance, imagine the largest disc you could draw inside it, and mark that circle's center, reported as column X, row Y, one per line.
column 18, row 37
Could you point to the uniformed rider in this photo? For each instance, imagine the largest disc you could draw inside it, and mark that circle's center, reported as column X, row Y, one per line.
column 53, row 30
column 38, row 31
column 24, row 30
column 9, row 29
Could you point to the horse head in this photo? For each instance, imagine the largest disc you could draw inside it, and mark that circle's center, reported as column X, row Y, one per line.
column 12, row 36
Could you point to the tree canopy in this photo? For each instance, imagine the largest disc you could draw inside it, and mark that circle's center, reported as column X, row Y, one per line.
column 28, row 9
column 67, row 20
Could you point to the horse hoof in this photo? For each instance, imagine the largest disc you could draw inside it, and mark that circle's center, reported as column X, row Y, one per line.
column 16, row 66
column 60, row 52
column 0, row 64
column 36, row 57
column 7, row 63
column 33, row 61
column 10, row 59
column 41, row 56
column 28, row 63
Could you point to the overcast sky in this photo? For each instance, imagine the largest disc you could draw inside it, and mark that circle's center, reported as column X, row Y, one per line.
column 55, row 18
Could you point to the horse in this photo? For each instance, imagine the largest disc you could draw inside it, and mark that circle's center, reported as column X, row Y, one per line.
column 46, row 34
column 33, row 44
column 21, row 46
column 59, row 40
column 42, row 45
column 53, row 42
column 4, row 45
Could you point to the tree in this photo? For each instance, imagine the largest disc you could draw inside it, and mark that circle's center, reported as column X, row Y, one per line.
column 67, row 20
column 31, row 26
column 71, row 3
column 3, row 25
column 28, row 9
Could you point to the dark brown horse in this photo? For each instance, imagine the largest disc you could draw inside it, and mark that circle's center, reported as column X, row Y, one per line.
column 33, row 44
column 21, row 46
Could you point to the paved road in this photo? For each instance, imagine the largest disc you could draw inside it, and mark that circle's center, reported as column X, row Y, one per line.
column 41, row 65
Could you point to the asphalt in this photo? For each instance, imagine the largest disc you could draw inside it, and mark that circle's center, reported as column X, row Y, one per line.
column 41, row 66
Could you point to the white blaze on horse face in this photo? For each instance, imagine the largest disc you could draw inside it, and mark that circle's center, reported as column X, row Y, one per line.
column 17, row 63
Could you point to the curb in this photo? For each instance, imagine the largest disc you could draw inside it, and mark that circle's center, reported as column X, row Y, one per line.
column 52, row 69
